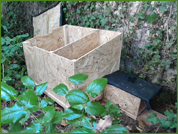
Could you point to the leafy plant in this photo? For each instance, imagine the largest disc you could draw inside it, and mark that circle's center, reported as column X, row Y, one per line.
column 170, row 122
column 80, row 106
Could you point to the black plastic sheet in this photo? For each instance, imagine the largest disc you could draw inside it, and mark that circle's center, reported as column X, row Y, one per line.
column 138, row 87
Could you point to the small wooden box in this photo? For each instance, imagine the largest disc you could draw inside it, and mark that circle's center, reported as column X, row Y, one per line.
column 70, row 50
column 130, row 104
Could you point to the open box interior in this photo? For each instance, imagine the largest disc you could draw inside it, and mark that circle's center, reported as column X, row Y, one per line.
column 79, row 48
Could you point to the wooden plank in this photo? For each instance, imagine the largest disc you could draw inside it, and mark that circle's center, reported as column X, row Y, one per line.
column 146, row 113
column 128, row 103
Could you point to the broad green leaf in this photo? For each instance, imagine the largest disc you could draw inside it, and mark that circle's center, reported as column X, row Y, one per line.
column 164, row 2
column 14, row 66
column 96, row 87
column 41, row 88
column 117, row 121
column 7, row 92
column 34, row 128
column 162, row 9
column 147, row 45
column 94, row 108
column 22, row 121
column 86, row 123
column 30, row 100
column 49, row 113
column 76, row 97
column 46, row 101
column 145, row 6
column 174, row 125
column 81, row 130
column 151, row 17
column 78, row 107
column 153, row 118
column 165, row 123
column 116, row 129
column 12, row 114
column 132, row 19
column 71, row 114
column 140, row 15
column 75, row 122
column 7, row 78
column 24, row 35
column 50, row 128
column 28, row 82
column 16, row 128
column 61, row 89
column 7, row 40
column 2, row 41
column 108, row 104
column 169, row 115
column 58, row 116
column 78, row 78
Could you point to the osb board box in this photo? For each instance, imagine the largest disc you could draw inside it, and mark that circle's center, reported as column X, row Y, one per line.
column 70, row 50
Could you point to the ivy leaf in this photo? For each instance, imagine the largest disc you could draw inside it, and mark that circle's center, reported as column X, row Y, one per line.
column 41, row 88
column 28, row 82
column 34, row 128
column 132, row 19
column 94, row 108
column 50, row 111
column 30, row 100
column 58, row 116
column 165, row 123
column 46, row 101
column 162, row 9
column 140, row 15
column 61, row 89
column 7, row 92
column 153, row 118
column 116, row 129
column 71, row 114
column 164, row 2
column 174, row 125
column 16, row 128
column 169, row 115
column 78, row 78
column 81, row 130
column 148, row 45
column 96, row 87
column 12, row 114
column 151, row 17
column 76, row 97
column 2, row 41
column 50, row 128
column 145, row 6
column 103, row 21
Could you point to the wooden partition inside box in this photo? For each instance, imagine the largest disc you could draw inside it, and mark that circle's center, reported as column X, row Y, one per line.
column 70, row 50
column 130, row 104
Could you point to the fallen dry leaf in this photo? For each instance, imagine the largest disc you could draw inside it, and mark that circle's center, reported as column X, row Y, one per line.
column 130, row 128
column 141, row 124
column 103, row 124
column 59, row 109
column 139, row 129
column 63, row 122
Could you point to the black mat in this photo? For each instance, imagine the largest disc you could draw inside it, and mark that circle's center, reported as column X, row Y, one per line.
column 138, row 87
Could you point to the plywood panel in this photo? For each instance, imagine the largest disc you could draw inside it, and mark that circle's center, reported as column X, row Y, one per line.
column 127, row 102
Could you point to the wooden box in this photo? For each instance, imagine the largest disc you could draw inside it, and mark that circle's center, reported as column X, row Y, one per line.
column 128, row 103
column 70, row 50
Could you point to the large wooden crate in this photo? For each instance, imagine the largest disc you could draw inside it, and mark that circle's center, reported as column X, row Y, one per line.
column 70, row 50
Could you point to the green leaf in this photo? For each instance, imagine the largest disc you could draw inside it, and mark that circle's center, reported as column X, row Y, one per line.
column 7, row 40
column 50, row 128
column 169, row 115
column 78, row 107
column 94, row 108
column 140, row 15
column 164, row 2
column 75, row 122
column 5, row 28
column 78, row 78
column 174, row 125
column 165, row 123
column 22, row 121
column 46, row 101
column 151, row 17
column 7, row 92
column 16, row 128
column 71, row 114
column 34, row 128
column 61, row 89
column 116, row 129
column 132, row 19
column 86, row 123
column 49, row 113
column 14, row 66
column 145, row 6
column 148, row 45
column 76, row 97
column 2, row 41
column 58, row 116
column 41, row 88
column 30, row 100
column 96, row 87
column 23, row 35
column 81, row 130
column 162, row 9
column 7, row 78
column 28, row 82
column 12, row 114
column 153, row 118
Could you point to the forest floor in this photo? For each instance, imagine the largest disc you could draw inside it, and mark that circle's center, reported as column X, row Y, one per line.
column 134, row 126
